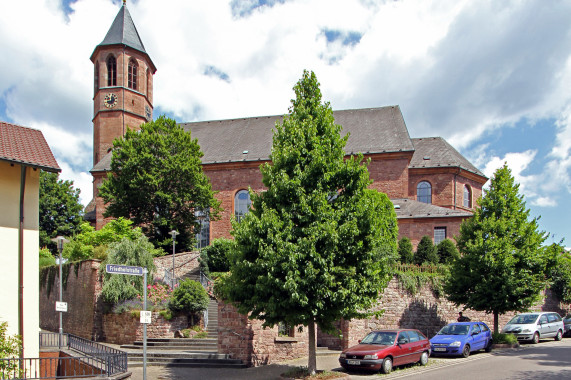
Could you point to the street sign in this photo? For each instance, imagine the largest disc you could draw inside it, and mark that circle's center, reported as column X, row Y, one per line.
column 61, row 306
column 145, row 317
column 124, row 269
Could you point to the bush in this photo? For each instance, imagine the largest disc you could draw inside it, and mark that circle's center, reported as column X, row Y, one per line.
column 9, row 348
column 46, row 258
column 447, row 251
column 500, row 338
column 189, row 297
column 426, row 252
column 214, row 258
column 405, row 251
column 118, row 287
column 90, row 244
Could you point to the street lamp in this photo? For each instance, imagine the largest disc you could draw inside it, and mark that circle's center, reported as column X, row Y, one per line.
column 173, row 234
column 60, row 240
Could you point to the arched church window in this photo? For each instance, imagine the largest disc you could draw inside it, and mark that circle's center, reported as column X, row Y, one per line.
column 241, row 204
column 96, row 76
column 203, row 235
column 111, row 71
column 132, row 77
column 424, row 192
column 467, row 196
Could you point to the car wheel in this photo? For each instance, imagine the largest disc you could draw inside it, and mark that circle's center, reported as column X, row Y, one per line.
column 489, row 346
column 387, row 366
column 424, row 358
column 466, row 351
column 535, row 339
column 559, row 336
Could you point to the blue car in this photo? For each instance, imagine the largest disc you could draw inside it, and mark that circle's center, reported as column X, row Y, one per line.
column 461, row 338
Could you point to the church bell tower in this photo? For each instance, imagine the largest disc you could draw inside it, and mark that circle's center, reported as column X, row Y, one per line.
column 123, row 94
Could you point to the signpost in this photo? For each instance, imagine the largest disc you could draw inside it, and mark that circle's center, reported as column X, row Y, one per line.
column 145, row 318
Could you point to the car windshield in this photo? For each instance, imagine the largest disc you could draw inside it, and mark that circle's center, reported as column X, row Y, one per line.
column 380, row 337
column 523, row 319
column 454, row 330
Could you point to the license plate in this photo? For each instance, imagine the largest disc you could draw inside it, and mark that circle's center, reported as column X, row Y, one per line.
column 354, row 362
column 439, row 349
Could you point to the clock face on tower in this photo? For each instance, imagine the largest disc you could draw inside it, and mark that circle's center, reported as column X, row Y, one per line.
column 110, row 100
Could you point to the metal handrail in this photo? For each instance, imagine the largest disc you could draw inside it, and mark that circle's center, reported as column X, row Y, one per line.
column 109, row 360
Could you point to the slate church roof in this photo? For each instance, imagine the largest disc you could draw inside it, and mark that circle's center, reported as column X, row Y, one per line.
column 26, row 146
column 123, row 32
column 412, row 209
column 435, row 152
column 371, row 130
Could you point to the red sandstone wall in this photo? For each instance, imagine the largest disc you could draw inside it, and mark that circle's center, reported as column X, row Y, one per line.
column 414, row 230
column 390, row 176
column 81, row 291
column 126, row 328
column 248, row 341
column 228, row 182
column 426, row 312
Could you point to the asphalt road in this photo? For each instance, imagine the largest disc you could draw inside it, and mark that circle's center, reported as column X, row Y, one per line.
column 547, row 360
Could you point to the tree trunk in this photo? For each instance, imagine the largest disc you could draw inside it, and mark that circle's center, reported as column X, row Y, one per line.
column 496, row 317
column 311, row 360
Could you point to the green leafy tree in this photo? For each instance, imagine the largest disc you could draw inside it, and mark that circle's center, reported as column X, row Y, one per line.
column 425, row 252
column 447, row 251
column 559, row 271
column 317, row 246
column 46, row 258
column 214, row 258
column 92, row 244
column 405, row 251
column 138, row 253
column 60, row 209
column 156, row 180
column 502, row 264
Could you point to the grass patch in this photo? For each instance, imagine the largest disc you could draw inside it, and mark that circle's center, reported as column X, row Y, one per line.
column 500, row 338
column 303, row 373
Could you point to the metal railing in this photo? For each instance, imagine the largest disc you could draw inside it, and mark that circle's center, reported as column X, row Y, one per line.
column 97, row 360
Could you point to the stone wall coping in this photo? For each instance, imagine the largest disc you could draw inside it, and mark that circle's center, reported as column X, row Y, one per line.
column 285, row 339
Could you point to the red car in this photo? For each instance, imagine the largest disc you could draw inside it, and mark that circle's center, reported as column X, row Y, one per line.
column 381, row 350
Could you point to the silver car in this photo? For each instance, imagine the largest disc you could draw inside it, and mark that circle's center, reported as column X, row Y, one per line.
column 535, row 326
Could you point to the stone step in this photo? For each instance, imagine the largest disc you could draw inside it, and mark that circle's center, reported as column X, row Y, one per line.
column 190, row 348
column 190, row 364
column 198, row 355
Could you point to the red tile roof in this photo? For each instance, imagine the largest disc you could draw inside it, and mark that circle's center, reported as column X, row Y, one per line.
column 26, row 146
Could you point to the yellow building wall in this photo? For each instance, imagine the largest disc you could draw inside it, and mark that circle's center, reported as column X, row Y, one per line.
column 9, row 221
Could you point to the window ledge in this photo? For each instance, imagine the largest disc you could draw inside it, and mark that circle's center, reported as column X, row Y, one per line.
column 285, row 339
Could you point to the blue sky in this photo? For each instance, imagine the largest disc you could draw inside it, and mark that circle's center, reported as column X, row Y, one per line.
column 491, row 77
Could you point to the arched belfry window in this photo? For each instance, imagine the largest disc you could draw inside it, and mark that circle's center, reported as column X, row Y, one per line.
column 467, row 196
column 111, row 71
column 132, row 77
column 241, row 204
column 96, row 76
column 424, row 192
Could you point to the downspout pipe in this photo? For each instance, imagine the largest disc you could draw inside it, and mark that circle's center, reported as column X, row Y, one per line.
column 21, row 260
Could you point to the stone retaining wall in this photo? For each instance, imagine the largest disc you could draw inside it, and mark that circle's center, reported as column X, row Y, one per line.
column 126, row 328
column 247, row 340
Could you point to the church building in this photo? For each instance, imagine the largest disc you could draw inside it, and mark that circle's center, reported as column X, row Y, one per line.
column 432, row 186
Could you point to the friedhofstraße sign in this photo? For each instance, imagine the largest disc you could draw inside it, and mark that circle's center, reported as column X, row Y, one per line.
column 124, row 269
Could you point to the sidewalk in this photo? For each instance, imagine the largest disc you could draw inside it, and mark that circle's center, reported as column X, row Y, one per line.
column 267, row 372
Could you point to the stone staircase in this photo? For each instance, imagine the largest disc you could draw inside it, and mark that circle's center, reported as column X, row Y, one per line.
column 184, row 352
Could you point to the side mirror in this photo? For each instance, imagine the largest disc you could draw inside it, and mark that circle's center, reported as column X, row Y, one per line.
column 359, row 341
